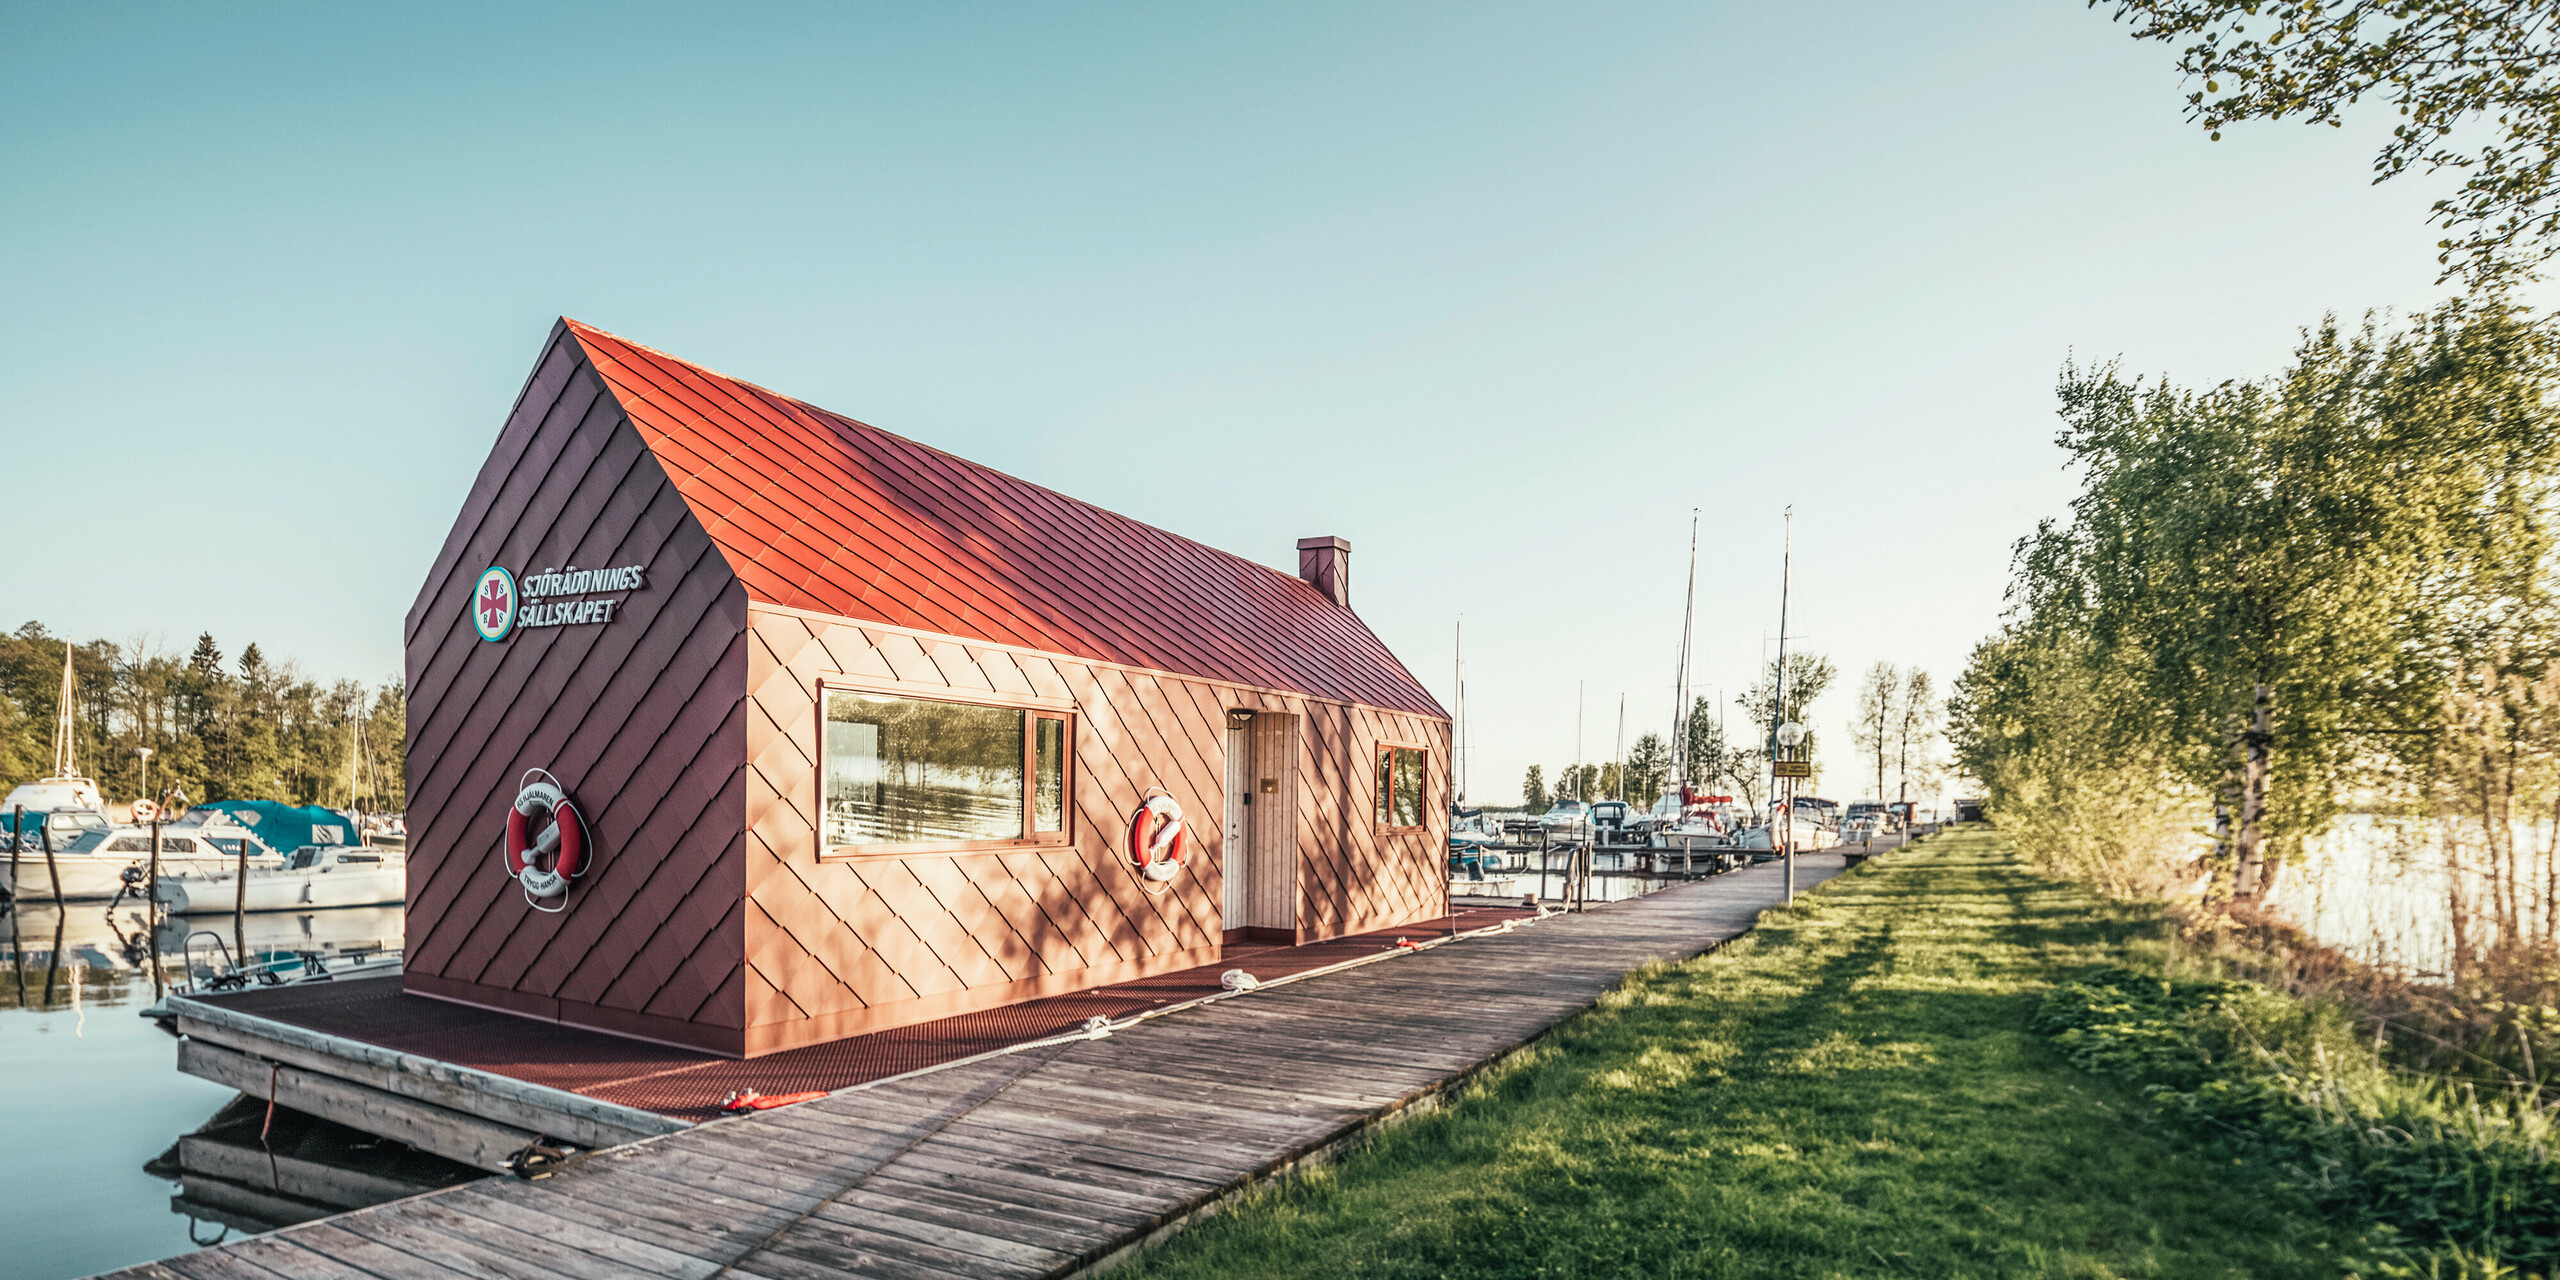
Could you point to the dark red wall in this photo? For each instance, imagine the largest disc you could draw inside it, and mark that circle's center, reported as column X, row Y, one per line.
column 642, row 718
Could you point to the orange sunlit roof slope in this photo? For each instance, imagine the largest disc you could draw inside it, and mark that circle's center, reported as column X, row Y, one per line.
column 817, row 511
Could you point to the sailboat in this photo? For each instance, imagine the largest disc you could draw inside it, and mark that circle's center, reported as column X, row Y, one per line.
column 1684, row 818
column 63, row 800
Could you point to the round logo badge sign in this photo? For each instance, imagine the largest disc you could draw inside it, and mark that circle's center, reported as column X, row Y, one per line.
column 493, row 604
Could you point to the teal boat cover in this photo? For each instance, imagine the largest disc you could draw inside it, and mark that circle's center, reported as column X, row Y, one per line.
column 287, row 827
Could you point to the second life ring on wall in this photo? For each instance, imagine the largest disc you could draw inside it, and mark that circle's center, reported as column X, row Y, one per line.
column 546, row 840
column 1156, row 837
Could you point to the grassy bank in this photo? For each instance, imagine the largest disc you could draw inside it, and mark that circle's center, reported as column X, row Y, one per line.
column 1856, row 1089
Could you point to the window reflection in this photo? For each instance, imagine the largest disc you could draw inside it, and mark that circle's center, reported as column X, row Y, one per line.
column 1049, row 772
column 1400, row 787
column 911, row 771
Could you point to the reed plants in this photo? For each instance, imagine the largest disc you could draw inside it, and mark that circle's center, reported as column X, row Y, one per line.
column 2456, row 1172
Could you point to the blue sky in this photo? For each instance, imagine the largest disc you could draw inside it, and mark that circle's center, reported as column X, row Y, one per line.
column 1497, row 293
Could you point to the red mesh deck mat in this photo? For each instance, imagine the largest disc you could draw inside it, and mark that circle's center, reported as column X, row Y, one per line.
column 689, row 1085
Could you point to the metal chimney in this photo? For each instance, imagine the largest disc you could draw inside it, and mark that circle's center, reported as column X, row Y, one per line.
column 1326, row 562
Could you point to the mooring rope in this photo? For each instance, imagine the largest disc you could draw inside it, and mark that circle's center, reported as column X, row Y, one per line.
column 275, row 1179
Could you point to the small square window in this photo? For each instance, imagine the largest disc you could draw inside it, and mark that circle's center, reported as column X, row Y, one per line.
column 1401, row 787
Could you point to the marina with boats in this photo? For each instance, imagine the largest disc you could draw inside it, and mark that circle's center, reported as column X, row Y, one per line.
column 767, row 857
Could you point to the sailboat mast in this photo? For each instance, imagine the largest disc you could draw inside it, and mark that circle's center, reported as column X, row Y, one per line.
column 1680, row 681
column 1458, row 677
column 62, row 736
column 1622, row 744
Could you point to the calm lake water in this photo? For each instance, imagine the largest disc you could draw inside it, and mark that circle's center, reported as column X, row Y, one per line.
column 2375, row 888
column 90, row 1092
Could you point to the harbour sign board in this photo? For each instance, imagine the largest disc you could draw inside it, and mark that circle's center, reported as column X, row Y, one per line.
column 1791, row 769
column 501, row 604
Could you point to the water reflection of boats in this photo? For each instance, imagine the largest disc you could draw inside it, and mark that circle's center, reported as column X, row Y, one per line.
column 46, row 948
column 302, row 1168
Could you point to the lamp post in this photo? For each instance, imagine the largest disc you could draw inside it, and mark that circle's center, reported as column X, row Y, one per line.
column 1790, row 737
column 1778, row 707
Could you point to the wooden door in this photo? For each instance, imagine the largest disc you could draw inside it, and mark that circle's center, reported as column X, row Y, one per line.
column 1236, row 856
column 1271, row 896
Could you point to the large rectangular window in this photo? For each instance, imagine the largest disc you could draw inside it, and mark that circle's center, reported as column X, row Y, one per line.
column 901, row 773
column 1400, row 787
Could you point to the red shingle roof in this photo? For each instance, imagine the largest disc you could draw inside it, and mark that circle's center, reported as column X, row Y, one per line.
column 817, row 511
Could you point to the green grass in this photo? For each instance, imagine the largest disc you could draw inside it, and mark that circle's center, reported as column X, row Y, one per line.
column 1854, row 1090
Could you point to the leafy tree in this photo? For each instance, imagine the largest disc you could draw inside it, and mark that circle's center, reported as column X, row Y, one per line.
column 2447, row 66
column 2323, row 545
column 265, row 732
column 1809, row 676
column 1914, row 721
column 1648, row 769
column 1879, row 707
column 1578, row 782
column 1533, row 790
column 2071, row 770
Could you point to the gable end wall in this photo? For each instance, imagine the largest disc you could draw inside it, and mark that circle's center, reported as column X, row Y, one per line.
column 641, row 718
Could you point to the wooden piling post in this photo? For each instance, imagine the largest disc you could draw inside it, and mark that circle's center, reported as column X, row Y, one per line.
column 44, row 832
column 151, row 905
column 17, row 836
column 53, row 962
column 240, row 907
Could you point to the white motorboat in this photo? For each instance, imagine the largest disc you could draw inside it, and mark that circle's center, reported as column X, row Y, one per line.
column 92, row 863
column 44, row 795
column 312, row 877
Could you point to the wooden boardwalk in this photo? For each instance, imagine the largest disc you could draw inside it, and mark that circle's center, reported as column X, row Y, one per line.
column 1042, row 1162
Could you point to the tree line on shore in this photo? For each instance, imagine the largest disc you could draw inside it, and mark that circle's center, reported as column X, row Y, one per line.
column 218, row 727
column 1896, row 730
column 2277, row 600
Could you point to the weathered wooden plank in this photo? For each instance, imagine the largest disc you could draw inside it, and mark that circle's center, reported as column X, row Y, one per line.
column 452, row 1134
column 631, row 1253
column 356, row 1253
column 830, row 1244
column 392, row 1230
column 775, row 1264
column 475, row 1235
column 503, row 1099
column 922, row 1239
column 1007, row 1132
column 881, row 1199
column 212, row 1264
column 728, row 1187
column 280, row 1254
column 690, row 1225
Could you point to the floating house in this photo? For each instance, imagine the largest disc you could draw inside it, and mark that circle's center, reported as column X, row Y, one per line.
column 739, row 725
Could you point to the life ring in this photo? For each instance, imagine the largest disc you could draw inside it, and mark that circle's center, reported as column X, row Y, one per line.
column 145, row 811
column 1156, row 838
column 546, row 839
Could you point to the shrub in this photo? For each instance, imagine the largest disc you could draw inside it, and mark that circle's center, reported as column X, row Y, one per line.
column 2286, row 1080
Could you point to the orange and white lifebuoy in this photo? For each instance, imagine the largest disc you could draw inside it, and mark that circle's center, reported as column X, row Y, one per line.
column 1156, row 838
column 546, row 840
